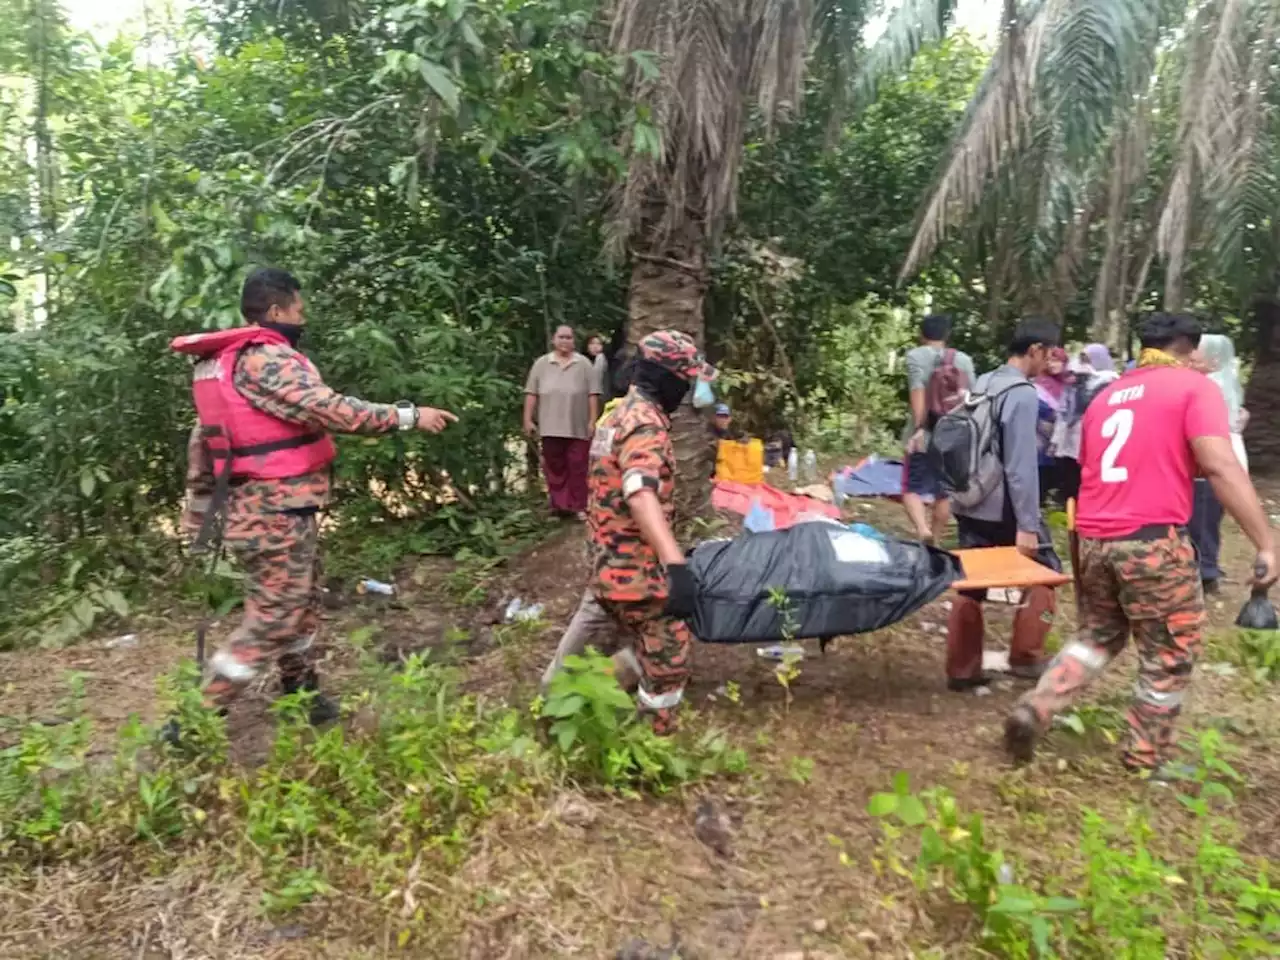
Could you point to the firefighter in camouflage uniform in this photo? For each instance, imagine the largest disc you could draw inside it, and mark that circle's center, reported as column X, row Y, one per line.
column 259, row 476
column 639, row 579
column 1144, row 439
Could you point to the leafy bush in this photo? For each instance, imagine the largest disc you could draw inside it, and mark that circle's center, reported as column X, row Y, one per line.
column 1255, row 651
column 1129, row 903
column 954, row 856
column 412, row 772
column 598, row 735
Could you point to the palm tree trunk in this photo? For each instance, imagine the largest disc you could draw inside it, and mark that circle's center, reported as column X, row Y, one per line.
column 668, row 286
column 1262, row 396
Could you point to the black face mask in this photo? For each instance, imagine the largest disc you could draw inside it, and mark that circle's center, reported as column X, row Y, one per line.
column 660, row 385
column 290, row 331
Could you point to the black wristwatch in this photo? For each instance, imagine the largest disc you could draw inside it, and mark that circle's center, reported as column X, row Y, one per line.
column 407, row 412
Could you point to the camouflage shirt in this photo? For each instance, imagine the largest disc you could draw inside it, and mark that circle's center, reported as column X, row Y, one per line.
column 282, row 382
column 631, row 445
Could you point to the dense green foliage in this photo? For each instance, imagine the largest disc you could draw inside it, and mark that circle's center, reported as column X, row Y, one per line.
column 440, row 176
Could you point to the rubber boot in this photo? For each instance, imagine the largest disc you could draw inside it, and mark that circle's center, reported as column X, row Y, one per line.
column 1031, row 626
column 965, row 629
column 323, row 709
column 1021, row 731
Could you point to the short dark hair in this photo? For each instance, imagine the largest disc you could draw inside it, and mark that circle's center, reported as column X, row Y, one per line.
column 266, row 288
column 1160, row 330
column 936, row 326
column 1031, row 331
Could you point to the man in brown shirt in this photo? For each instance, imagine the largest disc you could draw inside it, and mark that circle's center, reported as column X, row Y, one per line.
column 561, row 405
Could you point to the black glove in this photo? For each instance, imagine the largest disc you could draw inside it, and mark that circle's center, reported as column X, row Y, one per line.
column 682, row 591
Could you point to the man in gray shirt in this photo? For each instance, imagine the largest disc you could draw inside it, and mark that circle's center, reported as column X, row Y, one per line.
column 921, row 484
column 1009, row 516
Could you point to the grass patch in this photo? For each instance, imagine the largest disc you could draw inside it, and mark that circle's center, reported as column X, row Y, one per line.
column 1127, row 896
column 401, row 785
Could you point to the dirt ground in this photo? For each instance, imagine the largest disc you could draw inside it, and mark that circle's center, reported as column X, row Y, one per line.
column 800, row 881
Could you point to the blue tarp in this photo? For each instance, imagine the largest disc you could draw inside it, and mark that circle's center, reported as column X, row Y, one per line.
column 872, row 477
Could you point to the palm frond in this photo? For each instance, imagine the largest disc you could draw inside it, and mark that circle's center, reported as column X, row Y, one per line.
column 1211, row 66
column 837, row 48
column 911, row 25
column 995, row 128
column 1213, row 131
column 1128, row 156
column 1100, row 54
column 1244, row 188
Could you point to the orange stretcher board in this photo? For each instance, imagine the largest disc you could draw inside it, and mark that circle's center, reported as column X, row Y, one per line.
column 1003, row 567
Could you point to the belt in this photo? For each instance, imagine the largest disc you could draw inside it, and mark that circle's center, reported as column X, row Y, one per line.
column 1148, row 534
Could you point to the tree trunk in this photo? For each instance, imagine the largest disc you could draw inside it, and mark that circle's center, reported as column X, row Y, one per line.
column 1262, row 397
column 668, row 286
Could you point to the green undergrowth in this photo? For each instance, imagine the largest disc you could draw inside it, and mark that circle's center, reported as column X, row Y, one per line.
column 408, row 777
column 1127, row 889
column 1253, row 653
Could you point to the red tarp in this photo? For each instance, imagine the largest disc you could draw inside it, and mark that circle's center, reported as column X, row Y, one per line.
column 785, row 507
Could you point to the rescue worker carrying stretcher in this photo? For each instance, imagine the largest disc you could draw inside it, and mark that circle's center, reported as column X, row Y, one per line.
column 259, row 475
column 640, row 584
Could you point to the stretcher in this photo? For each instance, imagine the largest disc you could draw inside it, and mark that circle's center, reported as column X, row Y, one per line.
column 991, row 567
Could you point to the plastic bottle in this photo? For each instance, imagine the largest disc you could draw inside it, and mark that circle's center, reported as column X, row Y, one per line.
column 793, row 465
column 810, row 465
column 377, row 586
column 780, row 651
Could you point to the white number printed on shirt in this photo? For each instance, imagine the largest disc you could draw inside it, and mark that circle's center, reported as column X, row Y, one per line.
column 1117, row 428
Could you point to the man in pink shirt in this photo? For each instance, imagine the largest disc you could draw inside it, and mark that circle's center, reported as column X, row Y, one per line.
column 1143, row 441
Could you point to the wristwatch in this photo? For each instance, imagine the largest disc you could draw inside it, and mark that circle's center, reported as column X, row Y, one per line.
column 407, row 412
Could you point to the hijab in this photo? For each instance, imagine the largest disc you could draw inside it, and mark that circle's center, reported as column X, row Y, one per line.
column 1100, row 358
column 1221, row 353
column 1052, row 389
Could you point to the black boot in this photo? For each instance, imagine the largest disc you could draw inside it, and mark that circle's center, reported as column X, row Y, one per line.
column 323, row 709
column 171, row 732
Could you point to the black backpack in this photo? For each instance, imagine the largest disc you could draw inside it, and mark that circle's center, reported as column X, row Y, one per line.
column 965, row 447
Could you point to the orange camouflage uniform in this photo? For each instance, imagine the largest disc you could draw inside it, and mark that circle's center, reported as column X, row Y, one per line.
column 272, row 526
column 1152, row 590
column 632, row 444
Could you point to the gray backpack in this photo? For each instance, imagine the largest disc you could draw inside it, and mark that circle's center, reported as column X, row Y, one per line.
column 966, row 445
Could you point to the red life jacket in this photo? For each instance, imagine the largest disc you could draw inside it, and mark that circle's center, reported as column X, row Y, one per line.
column 243, row 441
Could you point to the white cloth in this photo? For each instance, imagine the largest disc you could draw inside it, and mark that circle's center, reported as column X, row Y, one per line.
column 1237, row 444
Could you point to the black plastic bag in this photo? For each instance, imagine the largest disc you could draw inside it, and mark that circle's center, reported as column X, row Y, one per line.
column 1258, row 613
column 836, row 582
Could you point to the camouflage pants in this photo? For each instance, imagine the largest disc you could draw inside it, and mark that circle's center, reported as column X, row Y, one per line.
column 664, row 647
column 279, row 555
column 1151, row 588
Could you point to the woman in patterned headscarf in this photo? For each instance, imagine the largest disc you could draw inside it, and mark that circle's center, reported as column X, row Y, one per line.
column 1054, row 388
column 1094, row 369
column 1216, row 358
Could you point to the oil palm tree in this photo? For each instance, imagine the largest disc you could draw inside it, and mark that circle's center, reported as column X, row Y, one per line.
column 704, row 71
column 1147, row 126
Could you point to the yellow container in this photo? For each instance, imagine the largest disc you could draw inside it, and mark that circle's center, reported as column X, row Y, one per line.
column 740, row 462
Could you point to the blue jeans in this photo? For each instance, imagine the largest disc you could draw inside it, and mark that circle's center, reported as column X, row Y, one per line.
column 1206, row 529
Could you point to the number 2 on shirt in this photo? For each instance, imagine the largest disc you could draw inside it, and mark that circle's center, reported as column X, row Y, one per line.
column 1116, row 428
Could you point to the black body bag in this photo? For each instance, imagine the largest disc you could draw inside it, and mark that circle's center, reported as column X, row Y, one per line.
column 836, row 582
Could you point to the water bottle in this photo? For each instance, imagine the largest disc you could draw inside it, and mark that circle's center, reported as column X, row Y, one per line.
column 810, row 465
column 793, row 465
column 376, row 586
